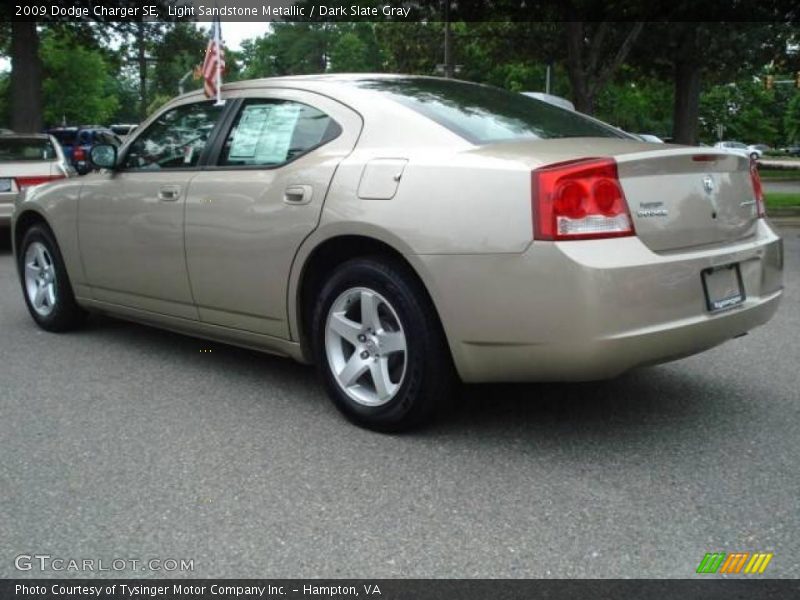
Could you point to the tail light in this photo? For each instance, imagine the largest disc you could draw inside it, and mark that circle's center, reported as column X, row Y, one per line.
column 757, row 189
column 26, row 182
column 579, row 200
column 78, row 153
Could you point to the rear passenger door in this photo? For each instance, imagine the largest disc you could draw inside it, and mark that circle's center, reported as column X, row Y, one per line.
column 260, row 196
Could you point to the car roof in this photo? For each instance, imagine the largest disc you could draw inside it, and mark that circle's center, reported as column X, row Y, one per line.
column 26, row 136
column 343, row 82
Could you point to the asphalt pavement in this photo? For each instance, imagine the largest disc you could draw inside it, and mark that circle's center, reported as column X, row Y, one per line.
column 124, row 442
column 783, row 186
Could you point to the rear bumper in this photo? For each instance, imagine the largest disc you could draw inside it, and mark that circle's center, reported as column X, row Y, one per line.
column 590, row 310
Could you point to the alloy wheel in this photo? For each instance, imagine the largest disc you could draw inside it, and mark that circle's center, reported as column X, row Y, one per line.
column 365, row 346
column 40, row 279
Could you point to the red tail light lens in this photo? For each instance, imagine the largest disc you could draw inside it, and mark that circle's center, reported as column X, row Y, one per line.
column 758, row 191
column 579, row 200
column 78, row 153
column 26, row 182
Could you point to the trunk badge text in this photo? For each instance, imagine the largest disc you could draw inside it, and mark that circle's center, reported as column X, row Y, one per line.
column 652, row 209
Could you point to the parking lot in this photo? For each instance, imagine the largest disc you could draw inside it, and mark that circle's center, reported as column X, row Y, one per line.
column 121, row 441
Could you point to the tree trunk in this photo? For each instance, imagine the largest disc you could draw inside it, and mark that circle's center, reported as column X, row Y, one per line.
column 581, row 97
column 687, row 103
column 26, row 78
column 142, row 60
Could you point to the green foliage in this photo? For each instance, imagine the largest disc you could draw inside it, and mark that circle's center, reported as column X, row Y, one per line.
column 792, row 119
column 77, row 84
column 87, row 78
column 349, row 54
column 782, row 200
column 181, row 50
column 157, row 102
column 411, row 47
column 638, row 104
column 743, row 109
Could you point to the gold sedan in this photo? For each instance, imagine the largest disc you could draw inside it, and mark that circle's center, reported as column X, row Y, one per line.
column 403, row 233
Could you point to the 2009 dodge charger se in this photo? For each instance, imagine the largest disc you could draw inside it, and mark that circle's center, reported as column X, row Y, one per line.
column 401, row 232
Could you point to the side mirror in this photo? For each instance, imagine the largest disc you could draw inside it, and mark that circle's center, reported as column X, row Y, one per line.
column 103, row 156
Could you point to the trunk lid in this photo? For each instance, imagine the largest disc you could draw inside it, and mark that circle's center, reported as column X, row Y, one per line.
column 689, row 198
column 679, row 196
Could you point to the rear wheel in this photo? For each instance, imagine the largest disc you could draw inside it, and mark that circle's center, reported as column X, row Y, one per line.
column 45, row 284
column 379, row 346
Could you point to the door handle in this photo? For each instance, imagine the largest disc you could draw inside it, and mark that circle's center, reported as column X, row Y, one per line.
column 169, row 193
column 298, row 194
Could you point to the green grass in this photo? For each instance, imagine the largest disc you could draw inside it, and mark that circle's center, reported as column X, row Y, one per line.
column 773, row 174
column 782, row 200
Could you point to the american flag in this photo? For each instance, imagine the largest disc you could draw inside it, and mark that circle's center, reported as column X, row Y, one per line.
column 214, row 62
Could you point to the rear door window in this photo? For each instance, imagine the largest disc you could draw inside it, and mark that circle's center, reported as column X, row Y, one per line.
column 270, row 133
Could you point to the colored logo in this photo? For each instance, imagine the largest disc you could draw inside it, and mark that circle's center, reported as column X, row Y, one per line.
column 734, row 562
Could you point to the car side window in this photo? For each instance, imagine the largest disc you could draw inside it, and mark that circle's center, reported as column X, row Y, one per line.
column 273, row 132
column 175, row 140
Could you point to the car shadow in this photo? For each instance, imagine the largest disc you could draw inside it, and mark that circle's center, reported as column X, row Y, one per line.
column 642, row 406
column 5, row 240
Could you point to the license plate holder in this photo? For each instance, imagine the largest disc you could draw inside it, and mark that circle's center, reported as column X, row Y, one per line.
column 723, row 287
column 5, row 184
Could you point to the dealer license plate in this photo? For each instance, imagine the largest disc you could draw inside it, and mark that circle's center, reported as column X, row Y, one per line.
column 723, row 287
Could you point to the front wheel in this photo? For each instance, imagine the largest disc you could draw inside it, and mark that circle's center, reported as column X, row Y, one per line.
column 45, row 285
column 379, row 345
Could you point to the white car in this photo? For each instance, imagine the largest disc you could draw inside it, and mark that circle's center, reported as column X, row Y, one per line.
column 741, row 149
column 27, row 160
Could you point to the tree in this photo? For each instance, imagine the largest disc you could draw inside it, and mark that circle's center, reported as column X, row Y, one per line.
column 349, row 55
column 26, row 78
column 26, row 66
column 698, row 54
column 637, row 103
column 792, row 120
column 743, row 109
column 180, row 50
column 77, row 85
column 594, row 53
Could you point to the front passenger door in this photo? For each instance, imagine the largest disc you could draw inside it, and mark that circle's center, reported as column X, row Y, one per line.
column 131, row 220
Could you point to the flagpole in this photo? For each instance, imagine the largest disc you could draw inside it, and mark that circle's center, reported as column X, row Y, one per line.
column 218, row 34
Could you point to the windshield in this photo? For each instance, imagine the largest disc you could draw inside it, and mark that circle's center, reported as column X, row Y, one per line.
column 484, row 114
column 17, row 149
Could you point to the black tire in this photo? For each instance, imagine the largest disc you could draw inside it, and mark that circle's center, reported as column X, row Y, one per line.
column 66, row 314
column 429, row 375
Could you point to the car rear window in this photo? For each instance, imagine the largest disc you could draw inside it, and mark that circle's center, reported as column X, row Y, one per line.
column 18, row 149
column 64, row 136
column 483, row 114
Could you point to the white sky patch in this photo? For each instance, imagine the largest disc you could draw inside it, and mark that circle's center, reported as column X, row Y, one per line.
column 233, row 34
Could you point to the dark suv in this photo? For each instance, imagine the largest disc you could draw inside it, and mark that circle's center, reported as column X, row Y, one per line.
column 77, row 142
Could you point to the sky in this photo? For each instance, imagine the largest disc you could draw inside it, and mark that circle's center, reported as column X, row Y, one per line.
column 234, row 33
